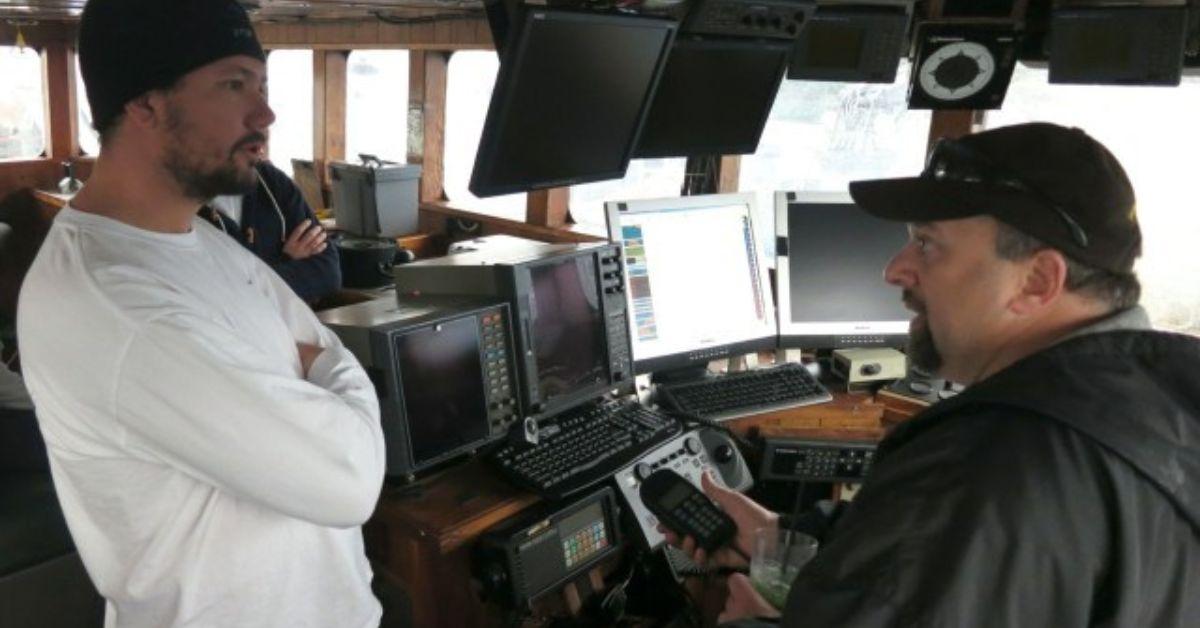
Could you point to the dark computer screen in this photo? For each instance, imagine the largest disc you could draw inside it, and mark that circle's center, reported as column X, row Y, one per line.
column 714, row 98
column 568, row 326
column 569, row 100
column 833, row 293
column 1100, row 47
column 442, row 387
column 1117, row 45
column 835, row 45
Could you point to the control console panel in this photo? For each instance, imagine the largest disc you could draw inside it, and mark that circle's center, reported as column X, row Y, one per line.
column 799, row 460
column 690, row 455
column 777, row 19
column 612, row 287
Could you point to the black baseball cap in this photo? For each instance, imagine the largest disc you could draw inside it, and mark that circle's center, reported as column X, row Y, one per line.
column 129, row 47
column 1054, row 183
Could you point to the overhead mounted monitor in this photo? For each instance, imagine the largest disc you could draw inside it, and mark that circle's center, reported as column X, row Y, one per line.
column 851, row 43
column 830, row 257
column 1133, row 45
column 570, row 98
column 714, row 97
column 696, row 281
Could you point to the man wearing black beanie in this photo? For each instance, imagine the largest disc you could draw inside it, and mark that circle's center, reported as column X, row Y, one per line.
column 214, row 447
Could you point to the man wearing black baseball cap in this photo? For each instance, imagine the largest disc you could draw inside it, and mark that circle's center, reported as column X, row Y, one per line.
column 1060, row 488
column 215, row 448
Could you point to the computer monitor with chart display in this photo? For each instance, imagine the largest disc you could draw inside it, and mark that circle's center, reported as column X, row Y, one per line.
column 829, row 263
column 696, row 281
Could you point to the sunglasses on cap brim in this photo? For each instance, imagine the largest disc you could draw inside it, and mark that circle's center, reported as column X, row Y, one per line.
column 951, row 160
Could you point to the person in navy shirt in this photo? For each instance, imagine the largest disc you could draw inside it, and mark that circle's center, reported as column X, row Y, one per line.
column 275, row 223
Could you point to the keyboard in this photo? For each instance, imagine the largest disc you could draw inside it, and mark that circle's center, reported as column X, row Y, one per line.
column 746, row 392
column 584, row 446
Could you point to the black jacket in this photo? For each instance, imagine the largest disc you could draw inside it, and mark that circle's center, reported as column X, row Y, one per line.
column 263, row 230
column 1060, row 492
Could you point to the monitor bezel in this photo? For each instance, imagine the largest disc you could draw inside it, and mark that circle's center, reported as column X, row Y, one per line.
column 525, row 292
column 802, row 335
column 503, row 94
column 783, row 50
column 398, row 371
column 701, row 356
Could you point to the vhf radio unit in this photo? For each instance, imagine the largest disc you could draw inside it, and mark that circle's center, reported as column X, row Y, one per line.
column 538, row 551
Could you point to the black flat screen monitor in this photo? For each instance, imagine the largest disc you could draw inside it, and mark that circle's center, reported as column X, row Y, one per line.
column 697, row 284
column 570, row 98
column 830, row 257
column 438, row 366
column 714, row 97
column 1120, row 45
column 851, row 43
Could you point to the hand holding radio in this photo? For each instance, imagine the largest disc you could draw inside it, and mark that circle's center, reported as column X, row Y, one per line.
column 747, row 517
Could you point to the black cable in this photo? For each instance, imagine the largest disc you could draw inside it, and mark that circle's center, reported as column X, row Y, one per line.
column 792, row 525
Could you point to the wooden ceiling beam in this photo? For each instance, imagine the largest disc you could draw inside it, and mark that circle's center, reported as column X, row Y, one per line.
column 469, row 32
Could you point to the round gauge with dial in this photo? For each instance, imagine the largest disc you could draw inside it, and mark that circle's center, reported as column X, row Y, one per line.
column 957, row 70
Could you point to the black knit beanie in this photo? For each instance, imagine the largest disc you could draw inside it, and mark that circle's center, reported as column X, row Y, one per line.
column 129, row 47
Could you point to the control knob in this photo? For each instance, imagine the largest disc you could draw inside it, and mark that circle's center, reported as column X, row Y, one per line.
column 642, row 471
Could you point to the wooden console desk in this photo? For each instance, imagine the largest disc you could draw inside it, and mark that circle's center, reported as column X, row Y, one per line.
column 422, row 535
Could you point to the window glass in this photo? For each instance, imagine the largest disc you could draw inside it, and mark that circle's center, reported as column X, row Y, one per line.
column 290, row 94
column 470, row 77
column 377, row 104
column 1153, row 131
column 646, row 178
column 89, row 140
column 822, row 135
column 22, row 109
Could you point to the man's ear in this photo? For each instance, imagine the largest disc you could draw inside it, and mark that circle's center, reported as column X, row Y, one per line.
column 1044, row 282
column 148, row 110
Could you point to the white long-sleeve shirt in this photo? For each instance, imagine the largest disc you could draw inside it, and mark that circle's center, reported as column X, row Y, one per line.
column 205, row 479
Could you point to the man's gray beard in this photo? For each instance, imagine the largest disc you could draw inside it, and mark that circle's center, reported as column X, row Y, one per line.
column 921, row 350
column 202, row 186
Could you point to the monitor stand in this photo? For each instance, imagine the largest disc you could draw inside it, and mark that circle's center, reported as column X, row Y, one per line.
column 745, row 362
column 682, row 374
column 733, row 364
column 789, row 355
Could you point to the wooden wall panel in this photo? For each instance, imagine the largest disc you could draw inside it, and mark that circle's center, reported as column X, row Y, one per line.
column 427, row 119
column 39, row 35
column 61, row 111
column 435, row 216
column 451, row 34
column 547, row 208
column 730, row 168
column 37, row 173
column 953, row 123
column 34, row 173
column 329, row 110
